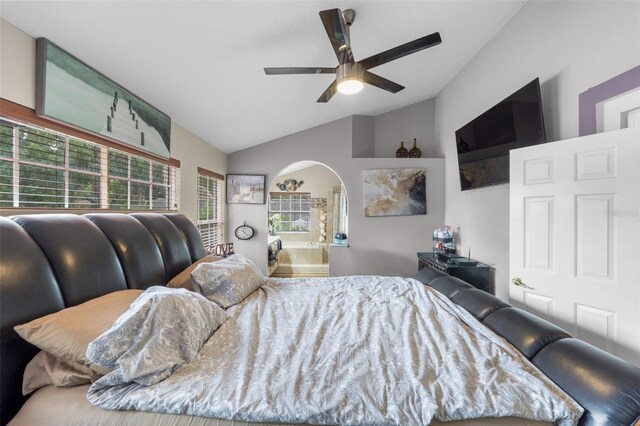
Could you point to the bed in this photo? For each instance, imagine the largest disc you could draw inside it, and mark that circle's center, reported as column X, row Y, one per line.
column 50, row 262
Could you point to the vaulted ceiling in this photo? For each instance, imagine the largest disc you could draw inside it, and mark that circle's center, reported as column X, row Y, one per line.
column 201, row 62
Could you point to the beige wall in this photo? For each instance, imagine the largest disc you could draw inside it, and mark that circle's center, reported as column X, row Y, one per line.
column 193, row 152
column 17, row 65
column 17, row 84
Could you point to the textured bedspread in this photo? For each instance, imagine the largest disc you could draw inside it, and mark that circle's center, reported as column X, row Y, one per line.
column 353, row 350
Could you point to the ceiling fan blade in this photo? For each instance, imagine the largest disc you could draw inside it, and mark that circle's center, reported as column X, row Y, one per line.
column 328, row 94
column 400, row 51
column 298, row 70
column 338, row 32
column 381, row 82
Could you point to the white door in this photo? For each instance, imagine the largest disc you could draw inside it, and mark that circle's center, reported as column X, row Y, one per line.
column 575, row 237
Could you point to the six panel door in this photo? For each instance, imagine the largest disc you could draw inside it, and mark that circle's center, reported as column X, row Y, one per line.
column 575, row 237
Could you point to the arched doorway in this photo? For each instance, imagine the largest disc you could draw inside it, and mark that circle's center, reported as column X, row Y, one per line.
column 307, row 215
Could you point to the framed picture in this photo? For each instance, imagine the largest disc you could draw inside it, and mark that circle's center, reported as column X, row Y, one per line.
column 395, row 192
column 245, row 189
column 71, row 92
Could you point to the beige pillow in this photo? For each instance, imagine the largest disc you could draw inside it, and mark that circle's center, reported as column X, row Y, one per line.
column 45, row 369
column 183, row 279
column 67, row 333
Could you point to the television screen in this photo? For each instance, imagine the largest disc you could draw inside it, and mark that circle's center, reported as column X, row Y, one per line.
column 483, row 144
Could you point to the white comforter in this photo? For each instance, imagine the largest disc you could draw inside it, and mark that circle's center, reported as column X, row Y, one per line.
column 354, row 350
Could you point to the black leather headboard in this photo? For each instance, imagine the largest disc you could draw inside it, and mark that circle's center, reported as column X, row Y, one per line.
column 607, row 387
column 52, row 261
column 143, row 266
column 82, row 258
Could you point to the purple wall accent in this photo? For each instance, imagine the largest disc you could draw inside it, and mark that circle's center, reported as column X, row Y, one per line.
column 588, row 99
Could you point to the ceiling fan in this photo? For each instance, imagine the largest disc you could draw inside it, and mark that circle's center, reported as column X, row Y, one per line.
column 350, row 75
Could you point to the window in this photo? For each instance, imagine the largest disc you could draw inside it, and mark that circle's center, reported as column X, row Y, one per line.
column 293, row 209
column 47, row 169
column 210, row 208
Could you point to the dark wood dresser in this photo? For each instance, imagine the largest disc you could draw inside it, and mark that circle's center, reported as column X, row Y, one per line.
column 478, row 275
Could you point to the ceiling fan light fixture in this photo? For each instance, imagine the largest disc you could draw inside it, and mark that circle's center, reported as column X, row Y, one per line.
column 349, row 77
column 350, row 86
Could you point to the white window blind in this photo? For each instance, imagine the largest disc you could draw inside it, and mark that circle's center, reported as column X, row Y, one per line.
column 294, row 210
column 210, row 210
column 41, row 168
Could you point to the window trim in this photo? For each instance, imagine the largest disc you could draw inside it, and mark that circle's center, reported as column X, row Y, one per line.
column 220, row 197
column 28, row 116
column 173, row 166
column 209, row 173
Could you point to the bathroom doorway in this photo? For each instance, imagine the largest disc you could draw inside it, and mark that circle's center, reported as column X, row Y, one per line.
column 307, row 215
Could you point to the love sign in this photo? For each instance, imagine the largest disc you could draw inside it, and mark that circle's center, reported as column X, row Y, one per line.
column 223, row 250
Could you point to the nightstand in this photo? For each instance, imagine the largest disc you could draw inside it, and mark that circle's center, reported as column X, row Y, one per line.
column 478, row 275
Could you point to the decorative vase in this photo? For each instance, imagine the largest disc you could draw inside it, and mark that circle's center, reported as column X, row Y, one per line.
column 415, row 151
column 402, row 151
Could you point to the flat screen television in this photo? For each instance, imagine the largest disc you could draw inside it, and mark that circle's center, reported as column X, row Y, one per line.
column 483, row 144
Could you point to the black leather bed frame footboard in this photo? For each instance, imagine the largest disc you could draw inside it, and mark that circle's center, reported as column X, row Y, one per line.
column 607, row 387
column 52, row 261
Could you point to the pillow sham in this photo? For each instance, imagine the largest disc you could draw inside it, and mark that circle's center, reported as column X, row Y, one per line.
column 227, row 282
column 45, row 369
column 183, row 279
column 67, row 333
column 162, row 331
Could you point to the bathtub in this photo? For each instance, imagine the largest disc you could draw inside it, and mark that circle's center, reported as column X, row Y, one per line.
column 302, row 252
column 302, row 245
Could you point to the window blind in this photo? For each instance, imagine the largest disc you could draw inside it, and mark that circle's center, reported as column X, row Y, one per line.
column 42, row 168
column 210, row 208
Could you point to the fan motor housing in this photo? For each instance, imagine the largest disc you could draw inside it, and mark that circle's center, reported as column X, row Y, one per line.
column 349, row 71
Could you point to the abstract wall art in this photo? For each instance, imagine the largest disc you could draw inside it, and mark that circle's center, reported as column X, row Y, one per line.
column 395, row 192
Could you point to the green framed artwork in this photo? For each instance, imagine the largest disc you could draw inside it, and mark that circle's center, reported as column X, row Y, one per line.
column 71, row 92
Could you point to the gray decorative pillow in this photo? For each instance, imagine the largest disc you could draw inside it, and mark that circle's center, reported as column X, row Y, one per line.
column 227, row 282
column 183, row 279
column 162, row 331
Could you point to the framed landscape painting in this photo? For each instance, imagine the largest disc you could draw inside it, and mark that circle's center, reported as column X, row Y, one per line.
column 71, row 92
column 245, row 189
column 395, row 192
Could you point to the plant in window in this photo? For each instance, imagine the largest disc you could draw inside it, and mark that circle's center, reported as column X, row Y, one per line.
column 274, row 223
